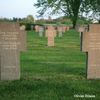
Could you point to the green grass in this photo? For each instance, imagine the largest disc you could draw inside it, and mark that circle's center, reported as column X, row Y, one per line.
column 51, row 73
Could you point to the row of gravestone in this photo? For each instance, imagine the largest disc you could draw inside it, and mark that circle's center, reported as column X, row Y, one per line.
column 58, row 29
column 13, row 41
column 51, row 32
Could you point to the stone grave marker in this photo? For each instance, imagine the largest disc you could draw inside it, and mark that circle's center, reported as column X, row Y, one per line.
column 54, row 29
column 50, row 35
column 91, row 45
column 11, row 41
column 22, row 27
column 64, row 28
column 82, row 28
column 37, row 28
column 41, row 31
column 67, row 28
column 84, row 41
column 32, row 27
column 60, row 31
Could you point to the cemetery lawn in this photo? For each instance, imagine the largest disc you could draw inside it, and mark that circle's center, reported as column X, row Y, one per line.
column 51, row 73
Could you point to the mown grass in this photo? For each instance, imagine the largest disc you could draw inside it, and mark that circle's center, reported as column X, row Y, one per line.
column 51, row 73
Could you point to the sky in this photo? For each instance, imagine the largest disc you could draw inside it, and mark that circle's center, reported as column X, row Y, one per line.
column 18, row 8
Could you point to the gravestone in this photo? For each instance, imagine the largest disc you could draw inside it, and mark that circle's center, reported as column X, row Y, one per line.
column 67, row 28
column 41, row 31
column 32, row 27
column 11, row 43
column 84, row 41
column 60, row 31
column 50, row 32
column 22, row 27
column 91, row 45
column 54, row 29
column 82, row 28
column 64, row 28
column 36, row 28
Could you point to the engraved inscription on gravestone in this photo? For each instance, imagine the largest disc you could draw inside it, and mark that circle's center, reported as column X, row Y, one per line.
column 10, row 47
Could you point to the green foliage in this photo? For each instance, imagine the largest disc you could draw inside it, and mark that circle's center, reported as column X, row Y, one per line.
column 96, row 9
column 5, row 20
column 51, row 73
column 71, row 8
column 83, row 21
column 30, row 19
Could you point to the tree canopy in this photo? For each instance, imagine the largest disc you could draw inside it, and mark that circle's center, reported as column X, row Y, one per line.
column 96, row 10
column 71, row 8
column 30, row 18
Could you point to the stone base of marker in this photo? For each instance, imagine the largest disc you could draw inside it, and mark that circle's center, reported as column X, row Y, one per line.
column 93, row 70
column 10, row 65
column 50, row 41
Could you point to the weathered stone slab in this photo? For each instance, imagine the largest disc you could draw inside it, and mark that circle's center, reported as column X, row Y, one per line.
column 12, row 41
column 91, row 44
column 9, row 64
column 13, row 28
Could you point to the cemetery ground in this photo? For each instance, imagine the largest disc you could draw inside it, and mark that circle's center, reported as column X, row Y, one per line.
column 51, row 73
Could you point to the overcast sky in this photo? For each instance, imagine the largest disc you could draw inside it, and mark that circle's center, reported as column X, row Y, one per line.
column 18, row 8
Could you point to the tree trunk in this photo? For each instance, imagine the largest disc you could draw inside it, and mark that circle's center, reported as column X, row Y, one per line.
column 99, row 21
column 74, row 21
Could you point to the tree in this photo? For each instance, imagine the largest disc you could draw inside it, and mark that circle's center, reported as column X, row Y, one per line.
column 96, row 10
column 30, row 18
column 70, row 8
